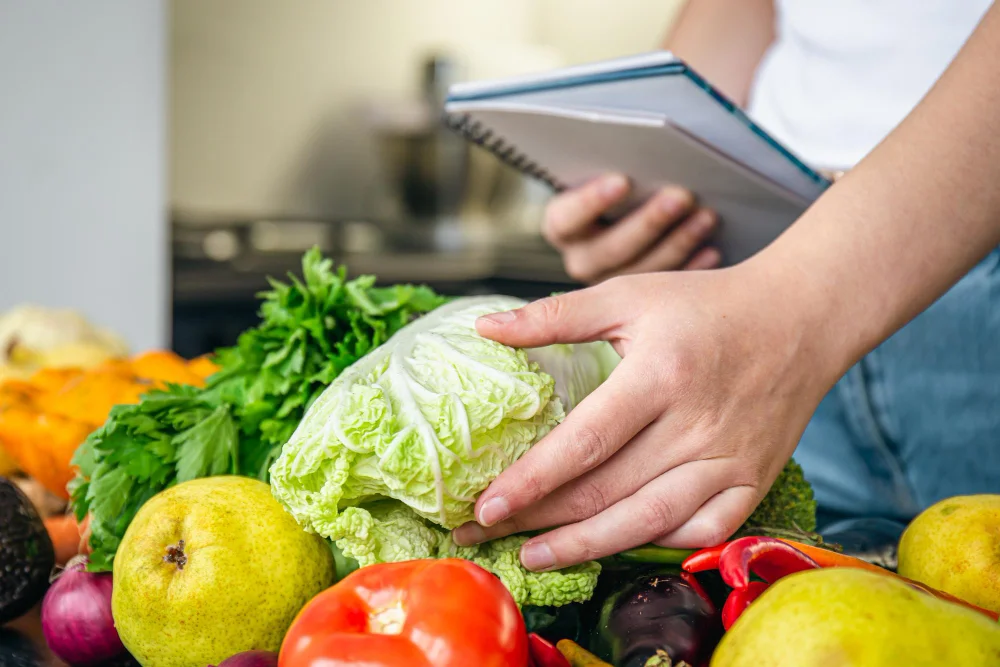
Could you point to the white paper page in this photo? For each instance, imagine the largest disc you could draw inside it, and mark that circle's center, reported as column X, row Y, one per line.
column 690, row 107
column 578, row 145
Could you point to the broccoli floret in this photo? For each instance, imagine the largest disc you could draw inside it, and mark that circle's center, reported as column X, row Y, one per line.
column 788, row 508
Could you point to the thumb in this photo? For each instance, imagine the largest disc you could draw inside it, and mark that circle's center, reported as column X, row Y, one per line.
column 575, row 317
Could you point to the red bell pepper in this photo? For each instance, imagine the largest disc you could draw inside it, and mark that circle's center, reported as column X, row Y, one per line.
column 739, row 600
column 544, row 653
column 418, row 613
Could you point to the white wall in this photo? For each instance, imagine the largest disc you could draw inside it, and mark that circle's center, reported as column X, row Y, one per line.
column 82, row 161
column 584, row 30
column 265, row 94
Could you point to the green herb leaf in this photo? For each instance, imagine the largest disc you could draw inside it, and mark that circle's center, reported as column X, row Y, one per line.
column 311, row 329
column 208, row 448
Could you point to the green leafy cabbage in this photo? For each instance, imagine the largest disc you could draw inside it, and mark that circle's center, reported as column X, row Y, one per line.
column 389, row 531
column 429, row 419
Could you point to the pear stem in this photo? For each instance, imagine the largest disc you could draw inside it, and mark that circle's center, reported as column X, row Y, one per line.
column 176, row 555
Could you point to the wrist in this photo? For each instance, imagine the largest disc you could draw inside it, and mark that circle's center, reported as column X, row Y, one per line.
column 804, row 319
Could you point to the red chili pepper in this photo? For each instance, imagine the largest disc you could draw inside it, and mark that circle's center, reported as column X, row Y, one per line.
column 693, row 582
column 760, row 556
column 739, row 600
column 768, row 558
column 544, row 654
column 704, row 559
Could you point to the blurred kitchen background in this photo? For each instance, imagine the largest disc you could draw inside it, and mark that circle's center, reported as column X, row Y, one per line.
column 159, row 159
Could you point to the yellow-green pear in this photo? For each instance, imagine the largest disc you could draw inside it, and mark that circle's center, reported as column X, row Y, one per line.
column 954, row 546
column 846, row 617
column 210, row 568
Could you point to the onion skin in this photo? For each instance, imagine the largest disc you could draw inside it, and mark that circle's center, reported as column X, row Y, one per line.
column 76, row 617
column 251, row 659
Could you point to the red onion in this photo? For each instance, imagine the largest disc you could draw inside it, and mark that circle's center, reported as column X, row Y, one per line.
column 251, row 659
column 76, row 616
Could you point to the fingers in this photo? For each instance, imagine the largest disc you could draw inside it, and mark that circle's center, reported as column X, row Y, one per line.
column 592, row 432
column 716, row 521
column 578, row 500
column 658, row 508
column 704, row 259
column 590, row 259
column 571, row 215
column 574, row 317
column 679, row 246
column 651, row 453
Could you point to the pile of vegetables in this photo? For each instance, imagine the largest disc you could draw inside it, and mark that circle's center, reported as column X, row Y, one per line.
column 310, row 331
column 384, row 458
column 376, row 415
column 394, row 453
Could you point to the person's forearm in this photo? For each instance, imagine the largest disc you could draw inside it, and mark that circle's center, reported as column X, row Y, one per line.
column 907, row 223
column 724, row 41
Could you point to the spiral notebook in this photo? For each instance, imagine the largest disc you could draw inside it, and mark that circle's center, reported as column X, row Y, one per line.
column 653, row 119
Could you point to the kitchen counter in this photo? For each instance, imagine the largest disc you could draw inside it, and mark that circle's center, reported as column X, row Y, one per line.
column 198, row 281
column 215, row 299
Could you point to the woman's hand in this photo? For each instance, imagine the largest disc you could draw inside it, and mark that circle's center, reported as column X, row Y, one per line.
column 668, row 232
column 683, row 440
column 723, row 369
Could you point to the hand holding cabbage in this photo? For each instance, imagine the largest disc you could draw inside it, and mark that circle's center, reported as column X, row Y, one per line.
column 394, row 453
column 685, row 437
column 385, row 478
column 397, row 450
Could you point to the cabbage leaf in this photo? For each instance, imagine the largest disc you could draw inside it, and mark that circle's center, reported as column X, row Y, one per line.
column 429, row 419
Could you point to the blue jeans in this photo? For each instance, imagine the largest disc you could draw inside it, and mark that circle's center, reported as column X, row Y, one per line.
column 918, row 419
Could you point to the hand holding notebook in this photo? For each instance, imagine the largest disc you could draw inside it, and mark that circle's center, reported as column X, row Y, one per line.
column 653, row 119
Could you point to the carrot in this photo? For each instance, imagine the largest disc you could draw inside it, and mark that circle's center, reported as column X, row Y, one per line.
column 578, row 656
column 827, row 558
column 66, row 535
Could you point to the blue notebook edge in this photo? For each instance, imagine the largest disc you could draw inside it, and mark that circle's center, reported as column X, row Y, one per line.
column 675, row 68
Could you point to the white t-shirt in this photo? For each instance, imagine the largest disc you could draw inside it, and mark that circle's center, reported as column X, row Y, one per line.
column 842, row 74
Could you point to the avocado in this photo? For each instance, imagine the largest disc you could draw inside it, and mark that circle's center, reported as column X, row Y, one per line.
column 26, row 553
column 17, row 651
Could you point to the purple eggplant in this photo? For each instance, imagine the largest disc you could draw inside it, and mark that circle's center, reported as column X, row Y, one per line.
column 666, row 611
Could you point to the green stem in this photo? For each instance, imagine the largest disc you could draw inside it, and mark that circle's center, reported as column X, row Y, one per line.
column 654, row 554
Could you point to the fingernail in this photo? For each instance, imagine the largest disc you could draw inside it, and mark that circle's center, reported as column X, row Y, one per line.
column 673, row 202
column 468, row 535
column 493, row 511
column 499, row 318
column 703, row 221
column 537, row 556
column 613, row 185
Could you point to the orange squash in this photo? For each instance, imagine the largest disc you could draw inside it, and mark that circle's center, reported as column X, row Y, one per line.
column 43, row 420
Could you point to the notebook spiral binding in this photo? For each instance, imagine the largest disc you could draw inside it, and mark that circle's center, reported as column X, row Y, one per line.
column 509, row 154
